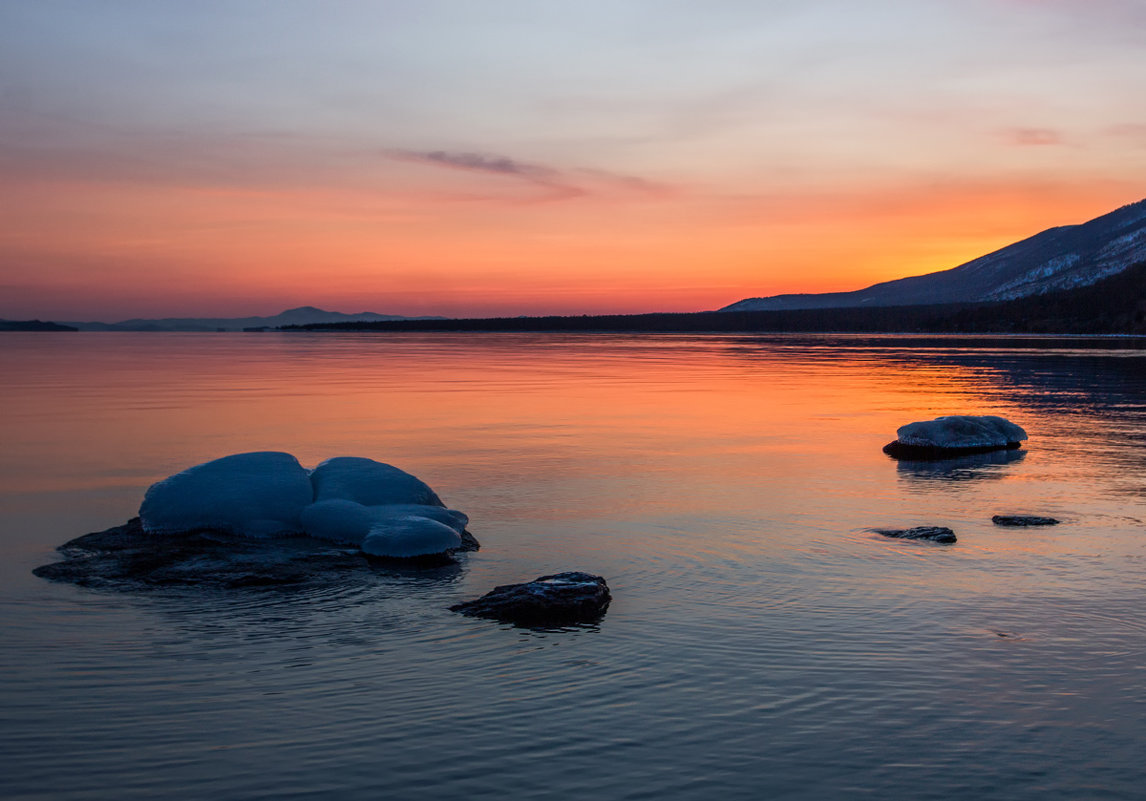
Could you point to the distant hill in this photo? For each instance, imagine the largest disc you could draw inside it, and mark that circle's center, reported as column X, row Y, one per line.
column 1059, row 258
column 32, row 325
column 1113, row 305
column 303, row 315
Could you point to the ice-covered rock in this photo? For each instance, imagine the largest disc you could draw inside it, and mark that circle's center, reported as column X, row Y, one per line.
column 210, row 512
column 341, row 520
column 555, row 600
column 248, row 494
column 337, row 520
column 954, row 435
column 410, row 537
column 370, row 483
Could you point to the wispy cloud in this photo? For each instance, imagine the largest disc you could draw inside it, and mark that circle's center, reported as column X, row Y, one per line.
column 558, row 184
column 555, row 184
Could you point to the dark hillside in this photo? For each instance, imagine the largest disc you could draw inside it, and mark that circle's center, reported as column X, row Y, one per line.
column 1116, row 305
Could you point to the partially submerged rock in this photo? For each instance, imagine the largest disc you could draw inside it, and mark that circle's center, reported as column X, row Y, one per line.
column 953, row 436
column 210, row 524
column 1023, row 520
column 128, row 558
column 933, row 533
column 555, row 600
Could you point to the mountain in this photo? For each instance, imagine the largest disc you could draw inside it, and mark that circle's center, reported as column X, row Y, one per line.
column 32, row 325
column 1113, row 305
column 1060, row 258
column 303, row 315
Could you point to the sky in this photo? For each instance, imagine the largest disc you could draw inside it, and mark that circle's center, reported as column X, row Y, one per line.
column 514, row 157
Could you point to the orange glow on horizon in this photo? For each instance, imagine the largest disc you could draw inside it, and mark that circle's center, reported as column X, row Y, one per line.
column 119, row 250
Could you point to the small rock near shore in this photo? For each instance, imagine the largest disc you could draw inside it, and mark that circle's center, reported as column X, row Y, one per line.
column 1024, row 520
column 940, row 534
column 556, row 600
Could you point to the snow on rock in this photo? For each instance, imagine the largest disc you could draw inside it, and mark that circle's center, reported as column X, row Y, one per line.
column 341, row 520
column 449, row 517
column 370, row 483
column 349, row 500
column 954, row 434
column 337, row 520
column 248, row 494
column 410, row 536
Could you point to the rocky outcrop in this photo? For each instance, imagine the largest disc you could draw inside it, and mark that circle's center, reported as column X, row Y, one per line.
column 940, row 534
column 953, row 436
column 1022, row 521
column 128, row 558
column 556, row 600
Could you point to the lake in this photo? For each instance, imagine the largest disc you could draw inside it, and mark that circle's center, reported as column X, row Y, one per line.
column 761, row 643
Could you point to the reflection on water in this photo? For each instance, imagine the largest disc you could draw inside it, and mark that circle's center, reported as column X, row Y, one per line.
column 963, row 468
column 758, row 644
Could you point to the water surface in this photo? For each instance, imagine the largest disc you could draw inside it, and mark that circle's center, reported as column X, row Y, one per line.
column 761, row 643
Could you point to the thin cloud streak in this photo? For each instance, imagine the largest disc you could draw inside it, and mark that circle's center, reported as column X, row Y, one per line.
column 560, row 184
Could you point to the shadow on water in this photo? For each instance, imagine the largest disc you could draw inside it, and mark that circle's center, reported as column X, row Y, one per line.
column 974, row 467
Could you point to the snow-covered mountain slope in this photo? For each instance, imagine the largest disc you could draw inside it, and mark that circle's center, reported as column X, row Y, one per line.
column 1059, row 258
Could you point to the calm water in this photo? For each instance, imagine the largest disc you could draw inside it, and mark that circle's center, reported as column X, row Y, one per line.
column 760, row 644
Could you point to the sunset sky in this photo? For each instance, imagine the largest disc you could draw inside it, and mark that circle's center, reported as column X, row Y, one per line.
column 217, row 158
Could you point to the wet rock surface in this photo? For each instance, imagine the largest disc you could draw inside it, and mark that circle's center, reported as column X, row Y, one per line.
column 934, row 453
column 128, row 558
column 555, row 600
column 1022, row 521
column 940, row 534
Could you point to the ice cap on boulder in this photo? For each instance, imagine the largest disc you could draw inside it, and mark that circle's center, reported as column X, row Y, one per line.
column 961, row 431
column 250, row 494
column 370, row 483
column 341, row 520
column 410, row 536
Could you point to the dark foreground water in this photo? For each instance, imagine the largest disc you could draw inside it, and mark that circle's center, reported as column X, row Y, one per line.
column 761, row 644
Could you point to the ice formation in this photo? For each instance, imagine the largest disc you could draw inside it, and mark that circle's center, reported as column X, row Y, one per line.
column 249, row 494
column 350, row 500
column 409, row 536
column 961, row 431
column 369, row 483
column 954, row 435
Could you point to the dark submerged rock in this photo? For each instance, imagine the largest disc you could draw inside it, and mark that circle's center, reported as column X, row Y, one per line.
column 127, row 558
column 555, row 600
column 940, row 534
column 932, row 453
column 1024, row 520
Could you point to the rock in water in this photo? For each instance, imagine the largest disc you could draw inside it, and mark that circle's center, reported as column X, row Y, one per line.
column 211, row 525
column 954, row 435
column 1023, row 520
column 246, row 494
column 546, row 601
column 933, row 533
column 128, row 558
